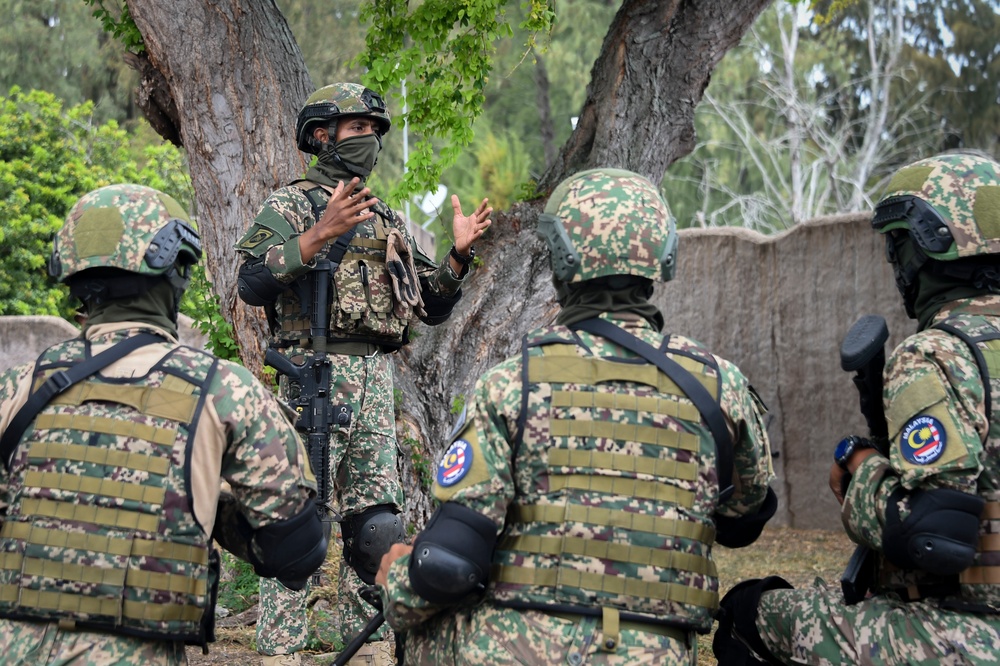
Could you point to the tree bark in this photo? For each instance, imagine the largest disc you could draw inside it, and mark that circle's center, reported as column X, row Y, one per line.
column 655, row 63
column 237, row 79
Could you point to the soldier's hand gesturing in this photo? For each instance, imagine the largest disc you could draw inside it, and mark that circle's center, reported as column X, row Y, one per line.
column 345, row 210
column 468, row 228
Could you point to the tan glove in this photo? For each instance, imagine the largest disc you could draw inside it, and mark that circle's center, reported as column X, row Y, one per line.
column 405, row 283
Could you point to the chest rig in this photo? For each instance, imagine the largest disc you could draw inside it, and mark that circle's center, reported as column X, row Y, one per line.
column 362, row 305
column 616, row 475
column 100, row 532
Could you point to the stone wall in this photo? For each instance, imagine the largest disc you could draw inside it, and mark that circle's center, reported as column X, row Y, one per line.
column 777, row 306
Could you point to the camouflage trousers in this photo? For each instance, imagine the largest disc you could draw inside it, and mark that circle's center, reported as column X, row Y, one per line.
column 363, row 468
column 41, row 643
column 493, row 636
column 815, row 626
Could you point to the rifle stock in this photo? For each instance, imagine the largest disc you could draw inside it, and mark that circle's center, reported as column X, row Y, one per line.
column 863, row 352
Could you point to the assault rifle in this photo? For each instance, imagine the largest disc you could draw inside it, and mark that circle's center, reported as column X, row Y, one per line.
column 863, row 352
column 309, row 384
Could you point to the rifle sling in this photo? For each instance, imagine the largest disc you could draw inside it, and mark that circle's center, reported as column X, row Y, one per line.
column 692, row 388
column 59, row 382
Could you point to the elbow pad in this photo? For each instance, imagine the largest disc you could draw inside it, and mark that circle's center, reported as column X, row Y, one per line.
column 451, row 557
column 256, row 285
column 438, row 307
column 290, row 550
column 744, row 530
column 940, row 535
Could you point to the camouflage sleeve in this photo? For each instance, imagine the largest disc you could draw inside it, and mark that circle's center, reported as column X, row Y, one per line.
column 935, row 411
column 274, row 234
column 15, row 386
column 474, row 471
column 752, row 469
column 264, row 462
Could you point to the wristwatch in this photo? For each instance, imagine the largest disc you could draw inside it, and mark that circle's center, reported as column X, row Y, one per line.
column 846, row 447
column 465, row 260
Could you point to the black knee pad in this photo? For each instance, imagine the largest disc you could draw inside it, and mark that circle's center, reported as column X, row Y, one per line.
column 368, row 536
column 291, row 550
column 451, row 557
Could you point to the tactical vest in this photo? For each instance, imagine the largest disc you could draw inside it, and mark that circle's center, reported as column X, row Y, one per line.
column 979, row 585
column 362, row 305
column 100, row 533
column 616, row 488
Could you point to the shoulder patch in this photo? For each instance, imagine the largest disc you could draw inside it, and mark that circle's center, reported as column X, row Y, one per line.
column 256, row 239
column 455, row 464
column 923, row 440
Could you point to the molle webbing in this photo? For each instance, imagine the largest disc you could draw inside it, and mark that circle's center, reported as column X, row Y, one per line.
column 624, row 432
column 623, row 462
column 633, row 403
column 650, row 490
column 557, row 367
column 151, row 401
column 628, row 520
column 614, row 552
column 141, row 462
column 607, row 584
column 56, row 538
column 988, row 543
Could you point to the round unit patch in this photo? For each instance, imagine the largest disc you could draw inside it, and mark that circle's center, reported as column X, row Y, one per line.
column 922, row 440
column 456, row 463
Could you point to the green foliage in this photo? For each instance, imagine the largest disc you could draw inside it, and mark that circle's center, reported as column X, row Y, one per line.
column 203, row 306
column 457, row 404
column 118, row 22
column 422, row 465
column 58, row 47
column 444, row 51
column 49, row 158
column 241, row 584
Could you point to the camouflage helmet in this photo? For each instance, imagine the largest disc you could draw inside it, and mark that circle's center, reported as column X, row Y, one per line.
column 605, row 222
column 948, row 204
column 335, row 101
column 128, row 227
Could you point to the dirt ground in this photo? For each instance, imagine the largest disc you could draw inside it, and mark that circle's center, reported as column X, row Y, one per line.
column 798, row 555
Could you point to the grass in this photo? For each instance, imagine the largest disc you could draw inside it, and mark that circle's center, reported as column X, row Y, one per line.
column 798, row 556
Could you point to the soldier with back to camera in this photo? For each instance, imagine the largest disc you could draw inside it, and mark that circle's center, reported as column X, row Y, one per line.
column 114, row 447
column 591, row 474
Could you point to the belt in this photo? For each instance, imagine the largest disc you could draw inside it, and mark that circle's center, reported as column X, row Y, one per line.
column 352, row 348
column 629, row 625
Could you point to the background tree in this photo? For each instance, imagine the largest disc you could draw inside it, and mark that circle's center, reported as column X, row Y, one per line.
column 806, row 120
column 50, row 156
column 214, row 73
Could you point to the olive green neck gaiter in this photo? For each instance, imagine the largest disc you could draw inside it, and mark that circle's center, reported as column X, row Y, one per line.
column 586, row 302
column 154, row 306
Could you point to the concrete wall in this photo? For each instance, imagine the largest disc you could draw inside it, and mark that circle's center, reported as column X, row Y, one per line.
column 777, row 306
column 22, row 339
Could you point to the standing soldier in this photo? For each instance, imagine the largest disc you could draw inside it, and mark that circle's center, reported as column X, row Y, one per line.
column 328, row 227
column 584, row 489
column 926, row 499
column 114, row 445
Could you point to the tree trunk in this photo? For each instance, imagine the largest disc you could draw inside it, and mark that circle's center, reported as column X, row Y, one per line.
column 654, row 66
column 236, row 78
column 235, row 75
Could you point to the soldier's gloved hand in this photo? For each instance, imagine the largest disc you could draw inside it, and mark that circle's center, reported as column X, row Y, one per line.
column 232, row 530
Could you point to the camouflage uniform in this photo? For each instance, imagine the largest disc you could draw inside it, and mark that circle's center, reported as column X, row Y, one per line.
column 601, row 480
column 942, row 408
column 111, row 498
column 366, row 324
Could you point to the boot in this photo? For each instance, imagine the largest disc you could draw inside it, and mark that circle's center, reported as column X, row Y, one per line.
column 280, row 660
column 378, row 653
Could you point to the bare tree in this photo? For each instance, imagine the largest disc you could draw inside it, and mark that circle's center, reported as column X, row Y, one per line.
column 235, row 78
column 824, row 147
